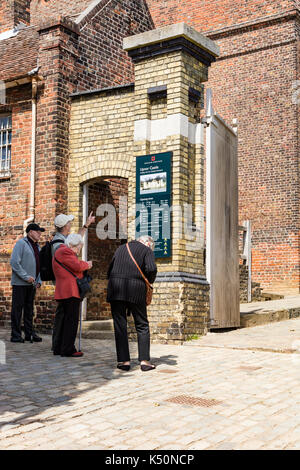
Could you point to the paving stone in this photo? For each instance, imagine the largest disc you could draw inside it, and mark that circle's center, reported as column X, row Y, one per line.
column 50, row 403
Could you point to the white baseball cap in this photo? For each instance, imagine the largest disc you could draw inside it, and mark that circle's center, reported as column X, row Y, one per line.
column 61, row 220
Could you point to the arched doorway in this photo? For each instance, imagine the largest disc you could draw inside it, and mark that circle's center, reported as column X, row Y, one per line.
column 100, row 192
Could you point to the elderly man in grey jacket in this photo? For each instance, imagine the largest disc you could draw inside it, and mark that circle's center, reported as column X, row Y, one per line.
column 25, row 279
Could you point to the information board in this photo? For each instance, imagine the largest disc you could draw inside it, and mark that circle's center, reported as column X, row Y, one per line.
column 153, row 200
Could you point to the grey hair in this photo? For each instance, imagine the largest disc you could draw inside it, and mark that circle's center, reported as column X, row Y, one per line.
column 145, row 239
column 74, row 239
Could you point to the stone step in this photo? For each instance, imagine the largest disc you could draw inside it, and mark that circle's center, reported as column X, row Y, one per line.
column 98, row 334
column 98, row 329
column 268, row 313
column 98, row 325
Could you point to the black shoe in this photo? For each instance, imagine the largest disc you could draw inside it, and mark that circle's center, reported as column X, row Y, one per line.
column 17, row 340
column 33, row 339
column 125, row 367
column 146, row 367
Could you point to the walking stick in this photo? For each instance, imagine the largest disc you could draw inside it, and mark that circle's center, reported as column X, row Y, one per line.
column 80, row 320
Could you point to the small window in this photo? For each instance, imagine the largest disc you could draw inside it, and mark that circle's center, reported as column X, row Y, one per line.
column 5, row 144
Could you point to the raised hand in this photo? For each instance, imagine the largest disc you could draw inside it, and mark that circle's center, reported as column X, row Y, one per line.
column 90, row 220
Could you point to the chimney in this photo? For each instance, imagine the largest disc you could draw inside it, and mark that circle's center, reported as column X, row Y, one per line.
column 13, row 12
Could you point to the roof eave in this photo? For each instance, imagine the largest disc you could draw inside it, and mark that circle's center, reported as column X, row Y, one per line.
column 20, row 80
column 87, row 11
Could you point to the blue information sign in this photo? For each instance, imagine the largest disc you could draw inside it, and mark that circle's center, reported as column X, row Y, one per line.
column 153, row 200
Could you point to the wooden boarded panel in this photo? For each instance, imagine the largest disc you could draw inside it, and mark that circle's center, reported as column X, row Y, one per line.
column 222, row 224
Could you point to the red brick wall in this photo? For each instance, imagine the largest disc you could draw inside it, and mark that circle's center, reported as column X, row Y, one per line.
column 102, row 61
column 6, row 16
column 13, row 12
column 57, row 57
column 215, row 14
column 57, row 54
column 41, row 10
column 14, row 191
column 22, row 11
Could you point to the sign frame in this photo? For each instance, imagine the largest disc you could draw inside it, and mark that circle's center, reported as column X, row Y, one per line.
column 154, row 192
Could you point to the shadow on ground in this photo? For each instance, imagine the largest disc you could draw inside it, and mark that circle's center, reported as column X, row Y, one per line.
column 33, row 381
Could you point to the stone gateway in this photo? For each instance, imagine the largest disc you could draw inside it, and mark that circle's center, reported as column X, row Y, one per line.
column 111, row 128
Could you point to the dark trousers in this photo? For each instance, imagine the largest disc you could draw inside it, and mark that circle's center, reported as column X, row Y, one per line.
column 69, row 327
column 22, row 301
column 119, row 314
column 57, row 328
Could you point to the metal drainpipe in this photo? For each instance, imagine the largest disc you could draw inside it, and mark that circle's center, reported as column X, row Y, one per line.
column 33, row 140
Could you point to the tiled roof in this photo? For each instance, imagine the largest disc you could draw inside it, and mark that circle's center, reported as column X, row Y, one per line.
column 41, row 10
column 18, row 54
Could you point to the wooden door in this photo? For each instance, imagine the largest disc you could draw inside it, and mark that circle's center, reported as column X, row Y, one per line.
column 222, row 223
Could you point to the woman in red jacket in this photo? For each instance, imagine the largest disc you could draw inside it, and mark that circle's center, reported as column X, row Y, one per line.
column 67, row 292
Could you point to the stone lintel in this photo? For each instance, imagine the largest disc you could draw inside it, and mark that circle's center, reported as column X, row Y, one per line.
column 171, row 38
column 157, row 92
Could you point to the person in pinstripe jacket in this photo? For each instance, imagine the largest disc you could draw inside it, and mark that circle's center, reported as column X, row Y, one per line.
column 127, row 292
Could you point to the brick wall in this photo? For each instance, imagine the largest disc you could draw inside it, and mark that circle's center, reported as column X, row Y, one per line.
column 22, row 11
column 57, row 59
column 14, row 191
column 102, row 62
column 13, row 12
column 97, row 121
column 6, row 16
column 41, row 10
column 215, row 14
column 56, row 56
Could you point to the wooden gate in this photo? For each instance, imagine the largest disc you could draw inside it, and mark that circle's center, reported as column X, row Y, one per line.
column 222, row 260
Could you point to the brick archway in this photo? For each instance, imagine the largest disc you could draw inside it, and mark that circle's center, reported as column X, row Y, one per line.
column 112, row 191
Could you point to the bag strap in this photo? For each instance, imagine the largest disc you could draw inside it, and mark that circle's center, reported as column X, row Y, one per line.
column 65, row 268
column 56, row 241
column 143, row 275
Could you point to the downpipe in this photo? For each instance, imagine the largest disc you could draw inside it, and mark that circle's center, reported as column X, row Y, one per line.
column 33, row 145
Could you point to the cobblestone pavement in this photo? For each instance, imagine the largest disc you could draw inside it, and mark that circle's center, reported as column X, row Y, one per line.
column 49, row 402
column 283, row 336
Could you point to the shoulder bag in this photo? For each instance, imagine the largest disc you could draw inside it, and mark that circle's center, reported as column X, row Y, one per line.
column 149, row 288
column 83, row 284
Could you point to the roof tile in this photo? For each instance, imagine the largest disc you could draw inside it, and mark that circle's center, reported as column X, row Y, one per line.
column 18, row 55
